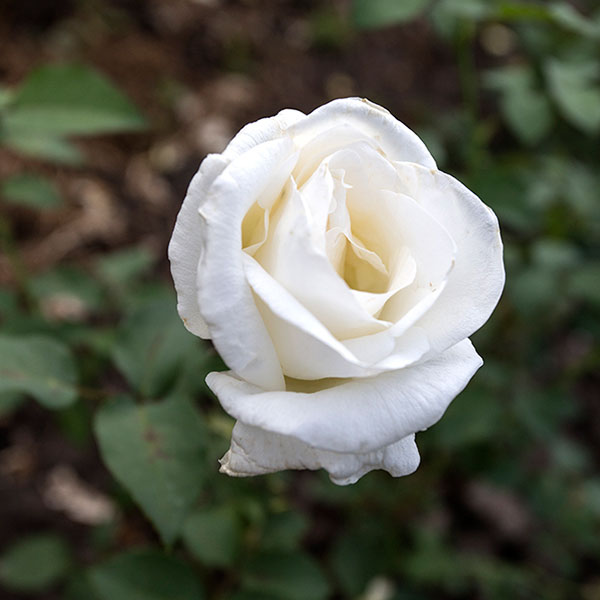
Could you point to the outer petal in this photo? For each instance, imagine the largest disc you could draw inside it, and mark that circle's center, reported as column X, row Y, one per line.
column 360, row 416
column 475, row 284
column 256, row 451
column 396, row 139
column 225, row 298
column 185, row 247
column 261, row 131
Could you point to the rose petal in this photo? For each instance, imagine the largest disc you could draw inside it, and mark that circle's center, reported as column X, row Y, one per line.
column 375, row 122
column 225, row 299
column 374, row 349
column 475, row 284
column 290, row 256
column 326, row 143
column 360, row 416
column 305, row 347
column 185, row 246
column 255, row 451
column 263, row 130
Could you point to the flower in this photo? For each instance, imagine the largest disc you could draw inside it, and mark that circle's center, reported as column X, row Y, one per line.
column 339, row 275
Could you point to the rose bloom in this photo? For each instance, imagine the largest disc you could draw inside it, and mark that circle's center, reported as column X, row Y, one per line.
column 339, row 275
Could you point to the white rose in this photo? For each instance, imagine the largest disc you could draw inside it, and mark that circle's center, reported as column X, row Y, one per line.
column 339, row 275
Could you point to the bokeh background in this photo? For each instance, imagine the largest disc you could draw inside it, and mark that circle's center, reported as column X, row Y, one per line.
column 109, row 439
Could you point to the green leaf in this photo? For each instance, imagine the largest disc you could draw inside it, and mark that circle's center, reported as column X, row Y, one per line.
column 253, row 595
column 79, row 587
column 474, row 417
column 565, row 15
column 575, row 89
column 42, row 146
column 287, row 576
column 528, row 114
column 39, row 366
column 535, row 291
column 213, row 536
column 144, row 575
column 369, row 14
column 548, row 253
column 124, row 266
column 29, row 190
column 583, row 283
column 35, row 563
column 60, row 100
column 152, row 345
column 68, row 282
column 355, row 561
column 447, row 14
column 284, row 531
column 524, row 107
column 504, row 189
column 5, row 97
column 9, row 304
column 522, row 11
column 156, row 452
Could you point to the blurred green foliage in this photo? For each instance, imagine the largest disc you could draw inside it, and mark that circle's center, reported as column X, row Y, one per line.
column 56, row 101
column 507, row 501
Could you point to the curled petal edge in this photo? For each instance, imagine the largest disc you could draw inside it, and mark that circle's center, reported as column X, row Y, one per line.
column 360, row 416
column 255, row 451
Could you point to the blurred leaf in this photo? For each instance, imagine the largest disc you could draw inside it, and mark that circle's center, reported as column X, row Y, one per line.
column 459, row 573
column 42, row 146
column 253, row 595
column 473, row 9
column 554, row 254
column 191, row 382
column 79, row 587
column 522, row 11
column 534, row 291
column 475, row 416
column 287, row 576
column 565, row 15
column 5, row 97
column 59, row 100
column 156, row 452
column 575, row 89
column 355, row 560
column 213, row 536
column 152, row 346
column 525, row 108
column 9, row 304
column 144, row 575
column 584, row 282
column 504, row 189
column 70, row 283
column 34, row 563
column 381, row 13
column 284, row 531
column 447, row 14
column 120, row 268
column 9, row 401
column 76, row 423
column 591, row 494
column 541, row 413
column 569, row 456
column 41, row 367
column 30, row 190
